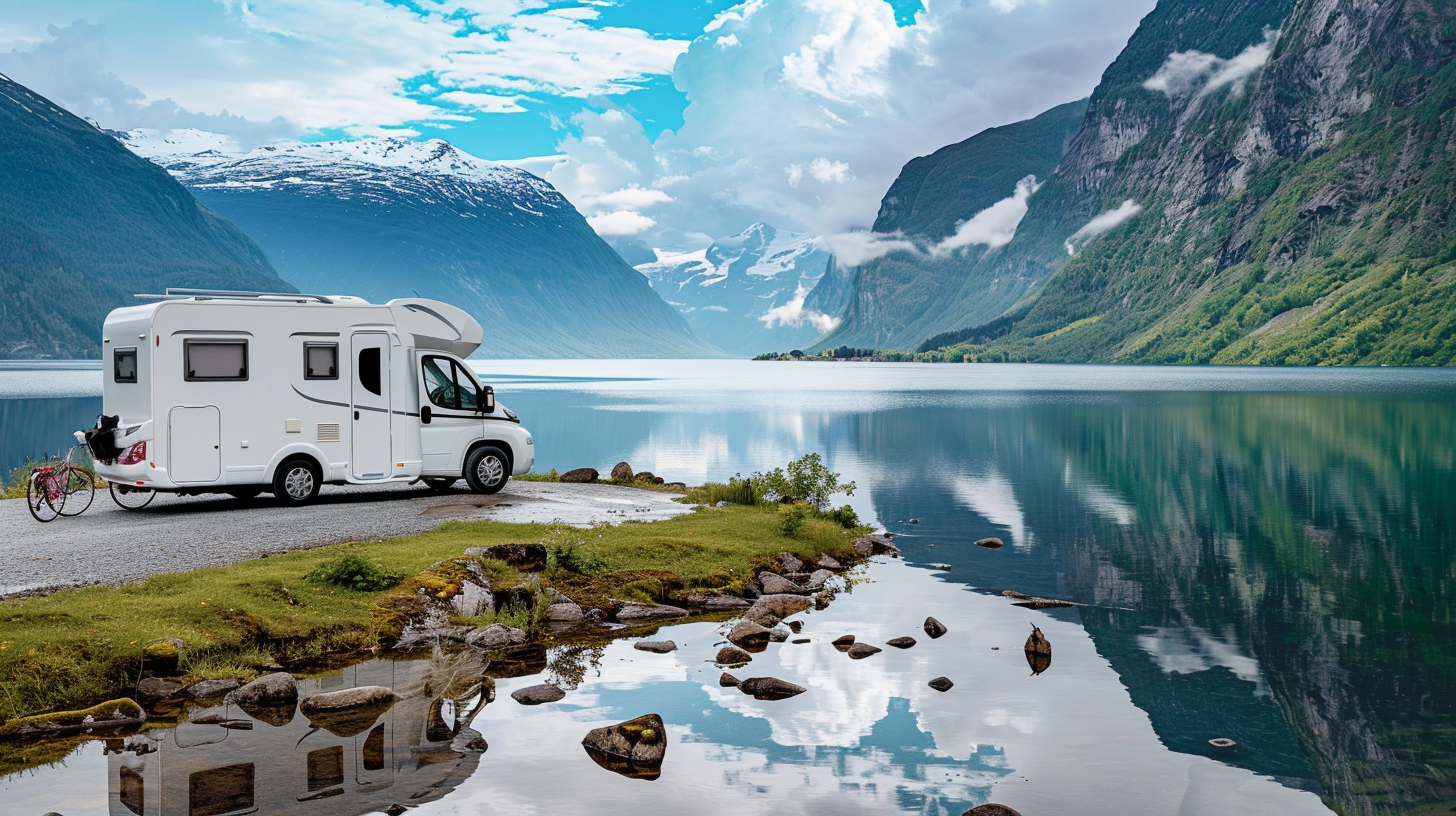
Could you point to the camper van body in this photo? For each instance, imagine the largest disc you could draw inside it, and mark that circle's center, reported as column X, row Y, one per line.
column 224, row 392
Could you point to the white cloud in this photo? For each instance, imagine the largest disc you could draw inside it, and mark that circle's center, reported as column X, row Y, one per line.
column 821, row 170
column 620, row 222
column 994, row 226
column 632, row 198
column 1102, row 223
column 737, row 14
column 484, row 103
column 1194, row 73
column 859, row 246
column 794, row 314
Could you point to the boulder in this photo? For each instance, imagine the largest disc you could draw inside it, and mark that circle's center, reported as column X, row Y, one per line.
column 528, row 557
column 648, row 478
column 901, row 642
column 991, row 809
column 634, row 748
column 795, row 626
column 120, row 716
column 934, row 628
column 727, row 680
column 655, row 646
column 564, row 613
column 725, row 603
column 1038, row 651
column 496, row 636
column 800, row 640
column 536, row 695
column 775, row 584
column 991, row 543
column 732, row 656
column 621, row 473
column 941, row 684
column 162, row 656
column 557, row 596
column 746, row 631
column 632, row 612
column 778, row 634
column 875, row 544
column 791, row 562
column 817, row 579
column 276, row 689
column 768, row 610
column 769, row 688
column 153, row 690
column 829, row 563
column 347, row 712
column 208, row 689
column 860, row 651
column 469, row 741
column 843, row 642
column 580, row 475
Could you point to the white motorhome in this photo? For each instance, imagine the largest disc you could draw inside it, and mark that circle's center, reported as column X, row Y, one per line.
column 242, row 392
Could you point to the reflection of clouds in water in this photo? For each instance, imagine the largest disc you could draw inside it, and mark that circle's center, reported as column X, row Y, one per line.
column 1024, row 722
column 1099, row 499
column 992, row 497
column 1189, row 650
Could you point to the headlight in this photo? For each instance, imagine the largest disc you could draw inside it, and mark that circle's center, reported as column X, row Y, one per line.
column 511, row 415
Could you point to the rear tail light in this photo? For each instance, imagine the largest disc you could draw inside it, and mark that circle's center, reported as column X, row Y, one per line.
column 136, row 453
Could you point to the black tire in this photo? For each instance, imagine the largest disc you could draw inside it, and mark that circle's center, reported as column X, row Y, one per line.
column 487, row 469
column 297, row 482
column 244, row 493
column 439, row 484
column 131, row 498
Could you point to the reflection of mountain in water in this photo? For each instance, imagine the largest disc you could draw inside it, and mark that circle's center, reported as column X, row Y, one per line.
column 1286, row 561
column 418, row 751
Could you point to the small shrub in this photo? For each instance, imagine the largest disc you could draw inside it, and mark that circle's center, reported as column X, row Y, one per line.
column 805, row 479
column 738, row 491
column 578, row 557
column 353, row 572
column 792, row 518
column 847, row 518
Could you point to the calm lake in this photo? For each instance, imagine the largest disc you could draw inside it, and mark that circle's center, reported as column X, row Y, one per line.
column 1267, row 556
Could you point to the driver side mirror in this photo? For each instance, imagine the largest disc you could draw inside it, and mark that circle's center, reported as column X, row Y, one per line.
column 488, row 400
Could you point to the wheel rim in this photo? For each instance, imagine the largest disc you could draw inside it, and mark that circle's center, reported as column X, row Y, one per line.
column 298, row 483
column 490, row 471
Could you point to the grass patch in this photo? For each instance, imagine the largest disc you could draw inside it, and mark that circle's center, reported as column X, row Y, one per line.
column 82, row 646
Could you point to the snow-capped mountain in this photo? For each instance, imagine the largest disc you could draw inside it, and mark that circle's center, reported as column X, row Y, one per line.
column 747, row 294
column 384, row 218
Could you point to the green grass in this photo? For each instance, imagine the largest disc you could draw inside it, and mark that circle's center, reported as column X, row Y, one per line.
column 81, row 646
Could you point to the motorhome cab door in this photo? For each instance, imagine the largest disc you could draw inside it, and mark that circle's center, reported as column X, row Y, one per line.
column 371, row 437
column 449, row 412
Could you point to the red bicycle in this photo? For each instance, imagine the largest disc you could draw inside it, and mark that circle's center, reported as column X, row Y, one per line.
column 62, row 488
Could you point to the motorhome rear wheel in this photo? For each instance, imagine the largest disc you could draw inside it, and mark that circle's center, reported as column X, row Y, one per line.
column 296, row 482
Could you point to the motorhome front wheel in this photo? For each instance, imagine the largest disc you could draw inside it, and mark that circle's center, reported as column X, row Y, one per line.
column 487, row 469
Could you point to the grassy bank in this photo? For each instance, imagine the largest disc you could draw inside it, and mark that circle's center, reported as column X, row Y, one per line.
column 81, row 646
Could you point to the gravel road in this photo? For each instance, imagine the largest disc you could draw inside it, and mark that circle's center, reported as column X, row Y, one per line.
column 109, row 545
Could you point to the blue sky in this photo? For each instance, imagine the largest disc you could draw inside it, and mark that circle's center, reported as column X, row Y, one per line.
column 675, row 121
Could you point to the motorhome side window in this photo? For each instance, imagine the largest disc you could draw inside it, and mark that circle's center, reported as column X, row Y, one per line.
column 320, row 361
column 449, row 385
column 124, row 365
column 208, row 360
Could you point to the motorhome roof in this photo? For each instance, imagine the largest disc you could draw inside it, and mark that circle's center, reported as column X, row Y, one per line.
column 226, row 294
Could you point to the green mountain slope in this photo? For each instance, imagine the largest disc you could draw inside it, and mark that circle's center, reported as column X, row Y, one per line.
column 1292, row 205
column 84, row 225
column 901, row 298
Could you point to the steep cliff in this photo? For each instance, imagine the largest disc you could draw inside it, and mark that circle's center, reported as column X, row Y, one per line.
column 1255, row 182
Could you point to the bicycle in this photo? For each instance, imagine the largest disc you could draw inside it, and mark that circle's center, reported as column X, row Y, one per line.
column 61, row 489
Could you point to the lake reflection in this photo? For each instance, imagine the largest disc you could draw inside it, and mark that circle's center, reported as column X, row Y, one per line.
column 1265, row 556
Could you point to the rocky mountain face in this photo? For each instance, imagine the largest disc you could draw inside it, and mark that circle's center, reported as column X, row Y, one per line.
column 1264, row 182
column 956, row 207
column 750, row 293
column 85, row 224
column 385, row 218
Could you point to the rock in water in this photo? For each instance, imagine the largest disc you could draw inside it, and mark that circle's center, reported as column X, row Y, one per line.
column 622, row 473
column 860, row 651
column 496, row 636
column 655, row 646
column 580, row 475
column 727, row 680
column 348, row 712
column 1038, row 651
column 746, row 631
column 991, row 809
column 768, row 610
column 775, row 584
column 827, row 562
column 536, row 695
column 634, row 748
column 875, row 544
column 934, row 628
column 276, row 689
column 207, row 689
column 725, row 603
column 843, row 642
column 770, row 688
column 941, row 684
column 637, row 612
column 991, row 543
column 732, row 656
column 901, row 642
column 153, row 690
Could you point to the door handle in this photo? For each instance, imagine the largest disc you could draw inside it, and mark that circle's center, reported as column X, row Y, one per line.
column 356, row 414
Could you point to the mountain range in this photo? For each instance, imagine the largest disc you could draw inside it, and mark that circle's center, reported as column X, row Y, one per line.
column 749, row 293
column 1253, row 182
column 384, row 218
column 85, row 224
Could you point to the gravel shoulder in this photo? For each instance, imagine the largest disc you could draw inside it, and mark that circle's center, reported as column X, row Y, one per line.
column 109, row 545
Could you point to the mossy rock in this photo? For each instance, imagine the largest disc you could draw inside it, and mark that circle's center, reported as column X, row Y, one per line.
column 162, row 655
column 110, row 716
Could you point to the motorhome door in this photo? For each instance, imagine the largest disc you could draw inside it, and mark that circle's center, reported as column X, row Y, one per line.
column 371, row 438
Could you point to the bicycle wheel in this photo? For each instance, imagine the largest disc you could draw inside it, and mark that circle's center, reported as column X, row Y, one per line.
column 131, row 498
column 43, row 496
column 80, row 489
